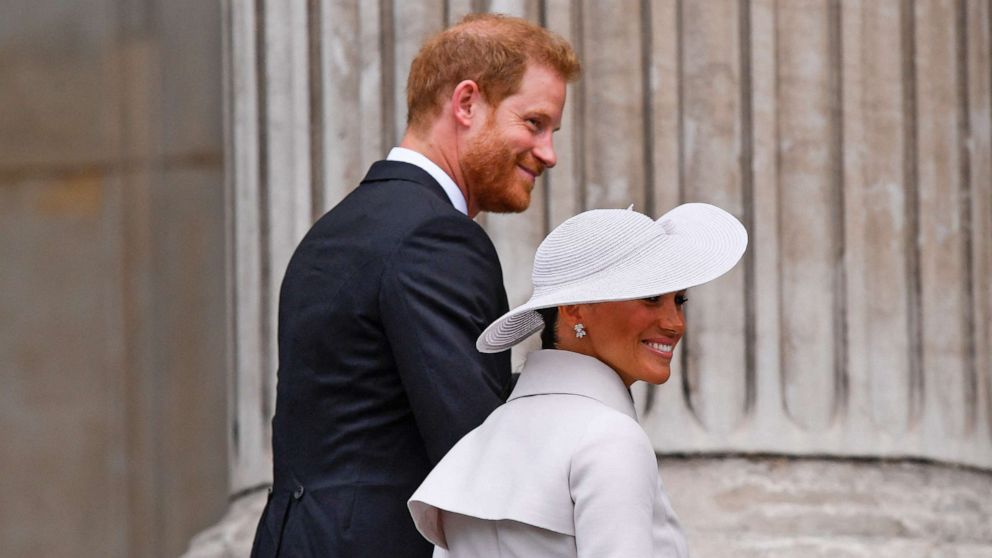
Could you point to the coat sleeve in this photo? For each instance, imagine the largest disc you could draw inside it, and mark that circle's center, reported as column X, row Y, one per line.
column 613, row 478
column 442, row 287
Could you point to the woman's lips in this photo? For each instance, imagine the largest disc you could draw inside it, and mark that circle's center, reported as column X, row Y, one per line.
column 663, row 348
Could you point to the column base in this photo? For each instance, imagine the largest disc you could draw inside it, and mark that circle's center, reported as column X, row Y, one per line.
column 771, row 507
column 233, row 535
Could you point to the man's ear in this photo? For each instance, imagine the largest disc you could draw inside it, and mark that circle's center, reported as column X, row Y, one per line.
column 465, row 102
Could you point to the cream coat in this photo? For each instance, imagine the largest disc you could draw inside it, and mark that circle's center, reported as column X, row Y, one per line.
column 562, row 469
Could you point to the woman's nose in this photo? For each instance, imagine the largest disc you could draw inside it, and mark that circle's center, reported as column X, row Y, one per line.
column 671, row 316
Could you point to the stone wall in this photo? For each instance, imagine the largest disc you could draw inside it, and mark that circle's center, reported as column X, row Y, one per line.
column 782, row 507
column 112, row 296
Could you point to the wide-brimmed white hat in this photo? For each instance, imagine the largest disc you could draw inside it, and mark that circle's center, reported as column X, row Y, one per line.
column 619, row 254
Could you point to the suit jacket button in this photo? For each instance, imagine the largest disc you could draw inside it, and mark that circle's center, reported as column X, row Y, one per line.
column 299, row 492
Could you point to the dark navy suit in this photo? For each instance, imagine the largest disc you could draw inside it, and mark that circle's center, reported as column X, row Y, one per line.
column 378, row 374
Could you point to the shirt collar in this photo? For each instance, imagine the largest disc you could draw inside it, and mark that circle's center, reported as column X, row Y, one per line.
column 405, row 155
column 552, row 371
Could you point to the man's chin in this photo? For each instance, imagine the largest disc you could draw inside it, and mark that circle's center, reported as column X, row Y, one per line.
column 508, row 204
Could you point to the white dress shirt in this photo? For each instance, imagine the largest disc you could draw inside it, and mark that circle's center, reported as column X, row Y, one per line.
column 562, row 469
column 405, row 155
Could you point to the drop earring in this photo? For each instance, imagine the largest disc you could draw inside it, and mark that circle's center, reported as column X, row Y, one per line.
column 580, row 331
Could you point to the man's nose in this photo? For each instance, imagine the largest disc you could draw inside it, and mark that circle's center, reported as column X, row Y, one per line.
column 545, row 152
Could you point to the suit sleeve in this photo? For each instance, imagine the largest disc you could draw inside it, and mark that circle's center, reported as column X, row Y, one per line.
column 613, row 479
column 442, row 287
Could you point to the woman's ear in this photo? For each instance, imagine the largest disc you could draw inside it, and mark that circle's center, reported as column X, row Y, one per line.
column 465, row 102
column 569, row 332
column 572, row 314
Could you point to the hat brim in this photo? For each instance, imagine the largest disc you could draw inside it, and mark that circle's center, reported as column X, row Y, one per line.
column 700, row 243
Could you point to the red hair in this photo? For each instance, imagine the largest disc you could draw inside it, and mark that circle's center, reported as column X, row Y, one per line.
column 493, row 50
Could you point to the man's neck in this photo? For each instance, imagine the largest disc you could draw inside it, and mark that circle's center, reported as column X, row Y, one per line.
column 414, row 157
column 445, row 157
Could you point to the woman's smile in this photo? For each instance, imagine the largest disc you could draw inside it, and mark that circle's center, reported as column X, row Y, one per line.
column 662, row 348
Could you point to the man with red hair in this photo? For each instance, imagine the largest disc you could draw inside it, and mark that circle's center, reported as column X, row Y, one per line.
column 385, row 296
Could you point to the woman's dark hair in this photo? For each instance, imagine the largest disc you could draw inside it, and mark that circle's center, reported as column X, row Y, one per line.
column 549, row 339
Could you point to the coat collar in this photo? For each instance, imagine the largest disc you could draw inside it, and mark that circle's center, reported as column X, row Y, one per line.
column 447, row 183
column 552, row 371
column 398, row 170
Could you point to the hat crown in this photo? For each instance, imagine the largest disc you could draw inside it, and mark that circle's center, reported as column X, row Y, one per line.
column 588, row 243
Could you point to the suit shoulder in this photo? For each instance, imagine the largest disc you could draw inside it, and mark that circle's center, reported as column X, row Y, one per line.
column 383, row 210
column 405, row 205
column 450, row 244
column 455, row 226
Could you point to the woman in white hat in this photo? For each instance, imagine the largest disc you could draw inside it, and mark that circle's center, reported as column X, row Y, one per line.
column 563, row 469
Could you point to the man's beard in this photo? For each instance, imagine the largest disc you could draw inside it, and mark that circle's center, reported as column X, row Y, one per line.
column 491, row 174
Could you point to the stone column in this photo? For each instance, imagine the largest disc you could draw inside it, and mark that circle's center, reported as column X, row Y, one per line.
column 269, row 169
column 833, row 395
column 858, row 322
column 311, row 103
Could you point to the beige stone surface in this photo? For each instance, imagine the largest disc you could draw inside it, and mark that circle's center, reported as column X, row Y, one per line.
column 112, row 293
column 809, row 228
column 945, row 290
column 882, row 369
column 712, row 172
column 827, row 508
column 53, row 61
column 64, row 452
column 612, row 112
column 232, row 536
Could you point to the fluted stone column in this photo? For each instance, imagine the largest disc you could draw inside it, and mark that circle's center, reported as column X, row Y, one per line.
column 833, row 394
